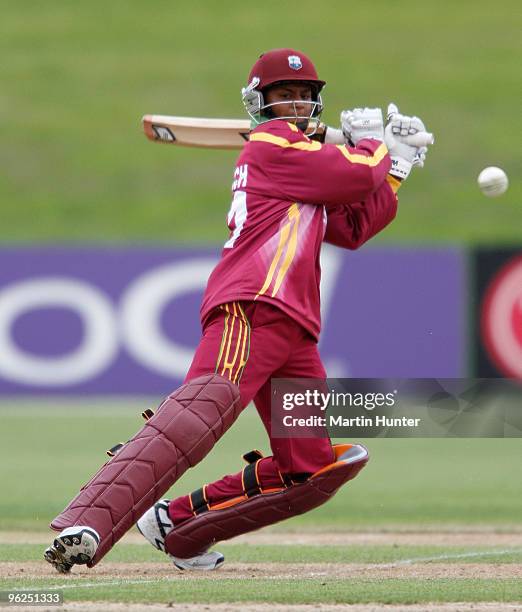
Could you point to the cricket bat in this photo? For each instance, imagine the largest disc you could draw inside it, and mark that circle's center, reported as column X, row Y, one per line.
column 213, row 133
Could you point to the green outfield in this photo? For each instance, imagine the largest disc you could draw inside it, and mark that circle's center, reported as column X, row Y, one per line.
column 426, row 521
column 462, row 482
column 76, row 167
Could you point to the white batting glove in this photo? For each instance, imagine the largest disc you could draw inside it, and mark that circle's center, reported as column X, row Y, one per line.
column 407, row 141
column 362, row 123
column 420, row 158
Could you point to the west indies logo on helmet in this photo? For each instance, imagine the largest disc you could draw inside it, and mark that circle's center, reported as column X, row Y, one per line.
column 294, row 61
column 279, row 67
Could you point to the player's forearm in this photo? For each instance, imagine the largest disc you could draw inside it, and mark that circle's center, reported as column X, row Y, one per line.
column 331, row 175
column 351, row 225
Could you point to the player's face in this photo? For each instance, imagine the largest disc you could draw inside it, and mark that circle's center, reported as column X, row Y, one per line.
column 292, row 100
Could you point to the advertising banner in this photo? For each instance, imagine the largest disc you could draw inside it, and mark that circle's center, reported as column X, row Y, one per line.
column 498, row 314
column 126, row 320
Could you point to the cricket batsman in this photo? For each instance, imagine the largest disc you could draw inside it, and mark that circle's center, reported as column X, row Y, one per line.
column 260, row 319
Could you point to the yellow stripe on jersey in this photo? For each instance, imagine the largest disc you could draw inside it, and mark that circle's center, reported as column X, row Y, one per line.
column 393, row 183
column 293, row 215
column 356, row 158
column 285, row 239
column 285, row 231
column 311, row 145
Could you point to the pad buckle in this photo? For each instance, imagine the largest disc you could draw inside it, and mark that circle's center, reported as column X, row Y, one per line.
column 253, row 456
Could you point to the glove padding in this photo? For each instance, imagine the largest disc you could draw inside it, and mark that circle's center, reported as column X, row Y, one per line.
column 362, row 123
column 407, row 141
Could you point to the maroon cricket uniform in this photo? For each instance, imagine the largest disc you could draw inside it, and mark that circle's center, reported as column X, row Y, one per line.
column 261, row 309
column 290, row 194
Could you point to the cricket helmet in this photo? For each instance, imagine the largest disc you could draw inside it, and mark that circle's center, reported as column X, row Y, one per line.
column 275, row 67
column 281, row 65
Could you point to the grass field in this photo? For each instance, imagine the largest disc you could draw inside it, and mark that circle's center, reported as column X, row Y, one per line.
column 431, row 524
column 426, row 521
column 75, row 86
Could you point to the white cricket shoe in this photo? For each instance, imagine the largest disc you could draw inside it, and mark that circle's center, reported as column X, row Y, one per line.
column 74, row 546
column 155, row 524
column 210, row 560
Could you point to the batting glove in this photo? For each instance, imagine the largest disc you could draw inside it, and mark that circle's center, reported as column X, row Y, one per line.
column 420, row 158
column 362, row 123
column 407, row 141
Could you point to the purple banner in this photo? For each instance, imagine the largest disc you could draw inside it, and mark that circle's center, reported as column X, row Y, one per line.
column 126, row 320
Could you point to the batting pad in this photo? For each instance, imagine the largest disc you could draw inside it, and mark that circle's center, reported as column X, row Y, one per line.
column 197, row 534
column 184, row 429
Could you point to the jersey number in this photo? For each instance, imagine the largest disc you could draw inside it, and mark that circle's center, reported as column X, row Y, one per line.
column 237, row 216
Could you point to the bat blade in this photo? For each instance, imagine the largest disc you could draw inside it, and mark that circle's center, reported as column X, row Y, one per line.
column 213, row 133
column 196, row 131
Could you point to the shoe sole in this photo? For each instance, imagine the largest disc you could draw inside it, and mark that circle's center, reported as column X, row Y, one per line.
column 180, row 565
column 74, row 546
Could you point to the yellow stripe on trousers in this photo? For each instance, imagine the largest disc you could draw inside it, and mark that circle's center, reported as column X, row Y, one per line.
column 245, row 349
column 224, row 336
column 234, row 351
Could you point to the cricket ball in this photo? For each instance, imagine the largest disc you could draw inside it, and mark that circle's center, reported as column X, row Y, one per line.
column 493, row 181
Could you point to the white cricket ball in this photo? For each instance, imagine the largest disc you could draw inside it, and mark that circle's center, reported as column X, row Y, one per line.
column 493, row 181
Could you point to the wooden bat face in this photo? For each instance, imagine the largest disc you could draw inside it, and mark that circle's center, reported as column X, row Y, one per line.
column 206, row 133
column 197, row 132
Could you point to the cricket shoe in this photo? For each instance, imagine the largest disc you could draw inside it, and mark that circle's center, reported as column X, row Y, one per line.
column 74, row 546
column 156, row 524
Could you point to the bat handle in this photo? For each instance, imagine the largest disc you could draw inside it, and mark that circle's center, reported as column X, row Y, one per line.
column 392, row 110
column 421, row 139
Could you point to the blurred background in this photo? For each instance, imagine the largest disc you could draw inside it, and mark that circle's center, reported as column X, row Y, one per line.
column 107, row 239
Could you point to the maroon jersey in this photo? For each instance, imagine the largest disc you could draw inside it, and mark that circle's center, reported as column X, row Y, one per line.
column 289, row 194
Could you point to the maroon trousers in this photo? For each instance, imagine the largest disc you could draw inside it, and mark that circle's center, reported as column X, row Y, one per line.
column 250, row 343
